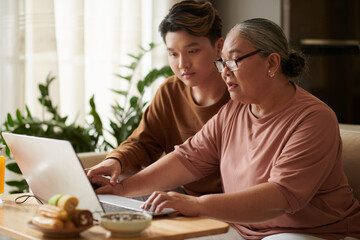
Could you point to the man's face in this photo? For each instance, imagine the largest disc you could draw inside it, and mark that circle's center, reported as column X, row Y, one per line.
column 191, row 58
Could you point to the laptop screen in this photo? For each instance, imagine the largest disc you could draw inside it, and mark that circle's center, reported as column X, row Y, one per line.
column 51, row 166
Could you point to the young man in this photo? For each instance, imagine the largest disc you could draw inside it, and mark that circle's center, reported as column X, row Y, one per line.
column 184, row 102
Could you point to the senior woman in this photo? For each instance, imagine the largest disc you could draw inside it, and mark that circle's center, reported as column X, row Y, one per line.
column 277, row 146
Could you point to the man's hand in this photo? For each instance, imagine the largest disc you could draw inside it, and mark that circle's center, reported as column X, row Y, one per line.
column 104, row 186
column 110, row 167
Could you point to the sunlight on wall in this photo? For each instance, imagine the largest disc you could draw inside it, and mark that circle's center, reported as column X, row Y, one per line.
column 83, row 43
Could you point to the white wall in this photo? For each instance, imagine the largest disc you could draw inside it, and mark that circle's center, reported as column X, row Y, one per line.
column 236, row 11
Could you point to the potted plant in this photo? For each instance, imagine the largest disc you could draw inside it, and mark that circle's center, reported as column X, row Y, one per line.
column 89, row 137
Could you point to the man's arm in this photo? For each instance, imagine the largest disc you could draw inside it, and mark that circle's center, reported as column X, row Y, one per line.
column 132, row 153
column 144, row 146
column 166, row 173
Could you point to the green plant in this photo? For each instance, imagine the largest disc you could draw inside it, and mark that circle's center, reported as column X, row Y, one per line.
column 127, row 118
column 91, row 136
column 82, row 138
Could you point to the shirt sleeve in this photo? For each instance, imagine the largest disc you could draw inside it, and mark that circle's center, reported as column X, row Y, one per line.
column 308, row 158
column 146, row 144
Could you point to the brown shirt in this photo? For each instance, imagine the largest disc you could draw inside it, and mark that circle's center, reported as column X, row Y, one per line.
column 170, row 119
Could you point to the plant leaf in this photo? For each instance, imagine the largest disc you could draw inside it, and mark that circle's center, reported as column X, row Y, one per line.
column 151, row 45
column 28, row 112
column 134, row 102
column 128, row 78
column 19, row 117
column 97, row 121
column 124, row 93
column 10, row 120
column 13, row 183
column 22, row 185
column 13, row 167
column 141, row 86
column 135, row 57
column 43, row 90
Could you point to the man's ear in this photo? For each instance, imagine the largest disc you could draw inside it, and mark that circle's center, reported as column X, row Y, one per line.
column 218, row 46
column 274, row 63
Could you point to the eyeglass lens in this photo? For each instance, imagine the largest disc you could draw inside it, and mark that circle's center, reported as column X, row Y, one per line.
column 232, row 63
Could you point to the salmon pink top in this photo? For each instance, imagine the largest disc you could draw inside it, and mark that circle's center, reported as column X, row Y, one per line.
column 298, row 149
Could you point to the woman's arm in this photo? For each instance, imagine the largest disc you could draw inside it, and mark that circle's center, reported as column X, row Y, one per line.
column 166, row 173
column 255, row 204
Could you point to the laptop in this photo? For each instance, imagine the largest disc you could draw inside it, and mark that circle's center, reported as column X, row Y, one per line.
column 51, row 166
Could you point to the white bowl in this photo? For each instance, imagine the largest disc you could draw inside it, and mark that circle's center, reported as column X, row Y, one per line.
column 125, row 224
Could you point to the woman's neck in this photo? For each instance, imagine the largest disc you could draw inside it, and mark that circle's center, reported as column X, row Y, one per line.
column 275, row 101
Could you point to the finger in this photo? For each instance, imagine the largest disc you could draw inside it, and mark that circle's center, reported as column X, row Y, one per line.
column 169, row 200
column 163, row 205
column 114, row 177
column 101, row 169
column 156, row 199
column 159, row 199
column 90, row 172
column 148, row 203
column 99, row 180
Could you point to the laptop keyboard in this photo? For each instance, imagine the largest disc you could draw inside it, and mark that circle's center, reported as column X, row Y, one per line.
column 108, row 208
column 127, row 204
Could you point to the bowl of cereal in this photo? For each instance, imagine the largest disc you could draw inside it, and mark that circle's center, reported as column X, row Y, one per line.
column 125, row 224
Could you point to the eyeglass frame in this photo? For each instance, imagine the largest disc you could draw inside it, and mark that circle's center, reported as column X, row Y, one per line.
column 235, row 61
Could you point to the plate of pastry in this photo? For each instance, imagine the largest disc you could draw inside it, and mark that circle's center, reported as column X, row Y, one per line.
column 60, row 218
column 59, row 232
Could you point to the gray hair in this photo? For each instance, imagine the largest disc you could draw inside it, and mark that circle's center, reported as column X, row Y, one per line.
column 269, row 37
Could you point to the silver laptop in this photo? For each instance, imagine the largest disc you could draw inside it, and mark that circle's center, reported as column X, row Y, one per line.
column 51, row 166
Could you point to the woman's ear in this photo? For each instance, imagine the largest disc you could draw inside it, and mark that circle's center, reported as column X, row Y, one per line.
column 274, row 62
column 218, row 46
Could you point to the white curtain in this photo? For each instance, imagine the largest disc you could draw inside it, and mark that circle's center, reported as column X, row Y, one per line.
column 80, row 42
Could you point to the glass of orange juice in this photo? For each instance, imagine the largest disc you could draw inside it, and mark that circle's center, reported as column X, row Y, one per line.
column 2, row 167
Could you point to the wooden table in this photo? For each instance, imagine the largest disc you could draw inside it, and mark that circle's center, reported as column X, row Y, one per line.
column 14, row 220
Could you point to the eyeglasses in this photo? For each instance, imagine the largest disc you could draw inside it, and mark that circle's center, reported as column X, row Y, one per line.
column 232, row 63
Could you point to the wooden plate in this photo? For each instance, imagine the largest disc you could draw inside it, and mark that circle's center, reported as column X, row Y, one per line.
column 59, row 233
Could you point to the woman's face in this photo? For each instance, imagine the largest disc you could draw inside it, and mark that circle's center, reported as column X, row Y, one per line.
column 249, row 82
column 192, row 58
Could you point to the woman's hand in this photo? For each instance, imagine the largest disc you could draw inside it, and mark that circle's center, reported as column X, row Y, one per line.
column 185, row 204
column 109, row 167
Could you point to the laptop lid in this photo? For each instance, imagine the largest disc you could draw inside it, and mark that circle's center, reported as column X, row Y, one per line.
column 51, row 166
